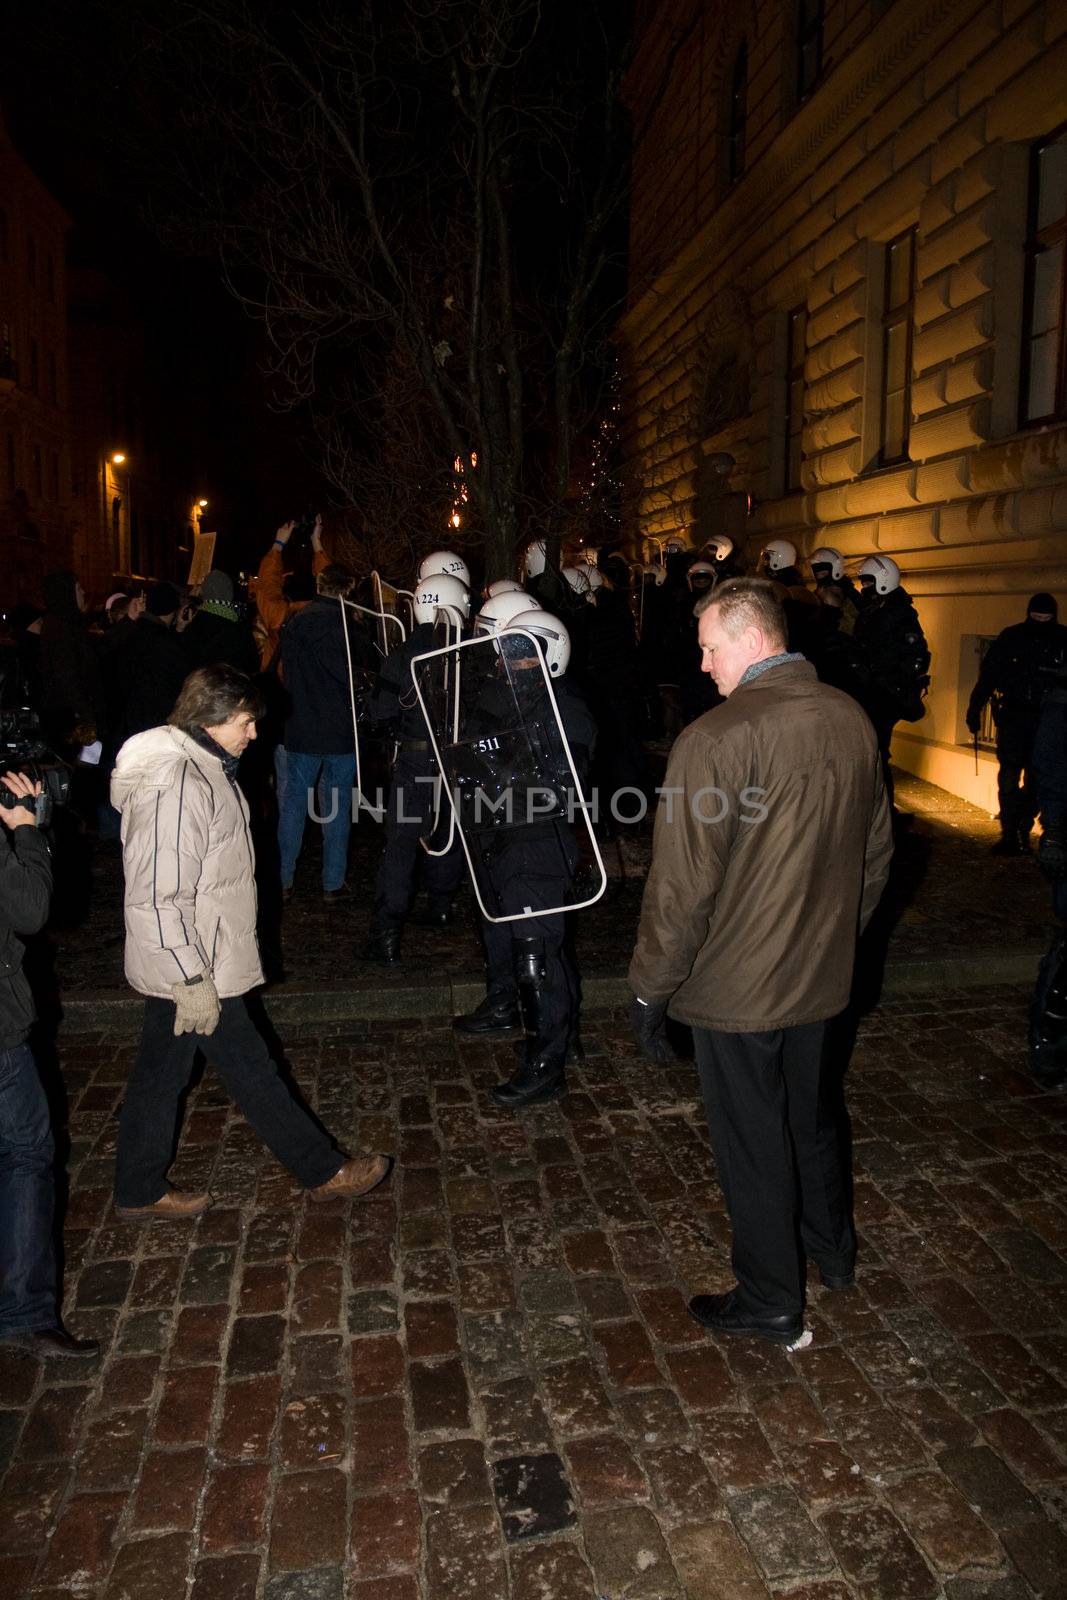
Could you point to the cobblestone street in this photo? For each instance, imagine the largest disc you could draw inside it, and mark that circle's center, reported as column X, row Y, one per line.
column 482, row 1381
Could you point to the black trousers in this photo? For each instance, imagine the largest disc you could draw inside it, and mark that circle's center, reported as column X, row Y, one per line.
column 1015, row 748
column 148, row 1125
column 408, row 820
column 535, row 874
column 776, row 1118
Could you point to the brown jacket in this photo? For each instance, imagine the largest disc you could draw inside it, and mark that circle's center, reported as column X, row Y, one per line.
column 750, row 925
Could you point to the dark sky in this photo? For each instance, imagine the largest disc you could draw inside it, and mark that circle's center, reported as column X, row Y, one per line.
column 245, row 456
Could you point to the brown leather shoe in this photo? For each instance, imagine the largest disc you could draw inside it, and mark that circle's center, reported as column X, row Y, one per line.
column 174, row 1205
column 358, row 1176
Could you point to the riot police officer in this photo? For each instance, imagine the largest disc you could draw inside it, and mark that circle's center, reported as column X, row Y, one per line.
column 1048, row 1011
column 1015, row 676
column 410, row 811
column 894, row 657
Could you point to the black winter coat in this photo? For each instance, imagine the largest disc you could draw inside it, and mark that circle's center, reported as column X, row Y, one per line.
column 211, row 638
column 1015, row 670
column 25, row 887
column 894, row 656
column 394, row 704
column 315, row 673
column 152, row 667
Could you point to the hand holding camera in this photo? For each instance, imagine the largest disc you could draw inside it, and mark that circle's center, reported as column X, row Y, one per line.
column 18, row 800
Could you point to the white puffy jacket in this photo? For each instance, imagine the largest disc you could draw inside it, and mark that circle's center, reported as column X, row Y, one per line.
column 190, row 869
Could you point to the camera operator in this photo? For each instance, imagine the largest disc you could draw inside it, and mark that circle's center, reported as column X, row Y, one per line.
column 29, row 1312
column 280, row 593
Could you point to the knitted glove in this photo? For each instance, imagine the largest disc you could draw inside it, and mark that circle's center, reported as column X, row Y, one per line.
column 648, row 1020
column 198, row 1006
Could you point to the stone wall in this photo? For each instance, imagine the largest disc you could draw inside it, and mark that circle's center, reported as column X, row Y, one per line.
column 923, row 118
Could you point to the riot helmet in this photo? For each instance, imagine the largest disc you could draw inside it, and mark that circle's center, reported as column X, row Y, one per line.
column 719, row 547
column 578, row 579
column 778, row 555
column 498, row 612
column 701, row 577
column 833, row 561
column 881, row 574
column 445, row 561
column 437, row 592
column 503, row 586
column 533, row 559
column 551, row 635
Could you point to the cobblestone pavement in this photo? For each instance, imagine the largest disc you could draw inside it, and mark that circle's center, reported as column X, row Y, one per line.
column 482, row 1382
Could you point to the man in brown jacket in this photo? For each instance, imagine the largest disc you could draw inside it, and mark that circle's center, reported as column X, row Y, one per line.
column 772, row 848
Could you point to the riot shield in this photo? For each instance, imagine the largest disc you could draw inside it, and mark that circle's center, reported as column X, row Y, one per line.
column 442, row 691
column 391, row 630
column 508, row 769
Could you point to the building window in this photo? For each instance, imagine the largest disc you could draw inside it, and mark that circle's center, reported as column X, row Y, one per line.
column 31, row 259
column 35, row 368
column 809, row 46
column 735, row 143
column 1043, row 390
column 53, row 379
column 794, row 397
column 38, row 471
column 897, row 303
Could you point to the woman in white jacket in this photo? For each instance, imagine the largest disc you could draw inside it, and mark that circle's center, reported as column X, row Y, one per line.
column 191, row 950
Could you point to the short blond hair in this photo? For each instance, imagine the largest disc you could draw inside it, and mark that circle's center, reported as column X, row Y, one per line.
column 748, row 603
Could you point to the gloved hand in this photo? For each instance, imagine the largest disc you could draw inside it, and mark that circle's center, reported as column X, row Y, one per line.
column 648, row 1019
column 974, row 722
column 1052, row 857
column 198, row 1006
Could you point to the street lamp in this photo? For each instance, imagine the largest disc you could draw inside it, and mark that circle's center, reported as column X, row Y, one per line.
column 118, row 457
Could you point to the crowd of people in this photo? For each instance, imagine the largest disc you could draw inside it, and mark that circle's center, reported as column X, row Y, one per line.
column 194, row 724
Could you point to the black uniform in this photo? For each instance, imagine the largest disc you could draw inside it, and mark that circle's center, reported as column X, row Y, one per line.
column 1015, row 676
column 410, row 811
column 530, row 865
column 895, row 664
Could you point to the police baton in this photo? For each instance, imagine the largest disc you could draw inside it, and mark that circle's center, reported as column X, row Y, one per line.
column 976, row 752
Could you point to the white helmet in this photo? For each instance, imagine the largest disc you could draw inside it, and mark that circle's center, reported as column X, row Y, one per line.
column 550, row 634
column 503, row 586
column 719, row 547
column 437, row 592
column 827, row 556
column 779, row 554
column 884, row 571
column 498, row 612
column 656, row 573
column 445, row 561
column 533, row 559
column 674, row 545
column 595, row 579
column 578, row 578
column 702, row 569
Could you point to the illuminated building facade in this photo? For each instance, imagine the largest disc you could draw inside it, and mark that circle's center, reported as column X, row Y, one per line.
column 848, row 232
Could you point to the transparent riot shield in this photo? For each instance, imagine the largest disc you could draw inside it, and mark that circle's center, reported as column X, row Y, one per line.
column 508, row 769
column 442, row 689
column 359, row 689
column 391, row 630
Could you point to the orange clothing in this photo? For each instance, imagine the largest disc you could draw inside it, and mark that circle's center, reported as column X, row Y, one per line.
column 271, row 605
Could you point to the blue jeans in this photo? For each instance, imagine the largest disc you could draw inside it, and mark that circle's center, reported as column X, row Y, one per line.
column 27, row 1197
column 333, row 804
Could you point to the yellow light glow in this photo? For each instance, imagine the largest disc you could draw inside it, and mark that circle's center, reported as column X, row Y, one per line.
column 118, row 457
column 201, row 504
column 455, row 519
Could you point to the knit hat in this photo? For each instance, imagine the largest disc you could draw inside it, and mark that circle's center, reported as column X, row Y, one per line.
column 217, row 586
column 162, row 600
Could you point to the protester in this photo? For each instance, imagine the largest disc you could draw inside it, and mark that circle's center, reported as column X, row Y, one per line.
column 1016, row 675
column 191, row 950
column 29, row 1287
column 280, row 594
column 772, row 847
column 72, row 706
column 216, row 631
column 321, row 677
column 151, row 663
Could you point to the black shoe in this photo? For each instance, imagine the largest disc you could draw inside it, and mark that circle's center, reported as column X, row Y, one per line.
column 489, row 1018
column 384, row 947
column 722, row 1313
column 51, row 1342
column 1008, row 846
column 331, row 896
column 428, row 918
column 575, row 1056
column 533, row 1083
column 836, row 1280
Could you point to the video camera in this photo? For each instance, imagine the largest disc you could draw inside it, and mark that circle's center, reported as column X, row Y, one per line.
column 23, row 750
column 303, row 528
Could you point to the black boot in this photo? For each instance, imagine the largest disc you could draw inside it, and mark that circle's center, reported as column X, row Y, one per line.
column 383, row 946
column 1008, row 843
column 496, row 1014
column 432, row 916
column 537, row 1078
column 1048, row 1021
